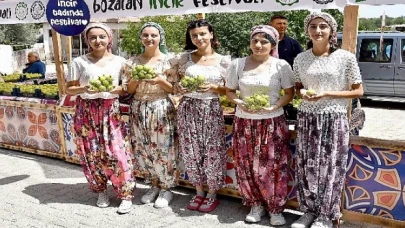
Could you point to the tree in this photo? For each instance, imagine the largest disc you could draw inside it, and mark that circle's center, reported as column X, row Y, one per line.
column 19, row 35
column 234, row 28
column 174, row 26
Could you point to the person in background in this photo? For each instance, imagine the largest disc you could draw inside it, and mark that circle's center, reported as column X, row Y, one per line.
column 260, row 137
column 101, row 138
column 34, row 65
column 288, row 48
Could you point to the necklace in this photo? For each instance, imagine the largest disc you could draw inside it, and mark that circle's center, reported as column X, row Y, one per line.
column 205, row 57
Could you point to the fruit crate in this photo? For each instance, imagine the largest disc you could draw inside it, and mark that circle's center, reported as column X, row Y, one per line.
column 44, row 81
column 27, row 95
column 6, row 93
column 16, row 92
column 51, row 97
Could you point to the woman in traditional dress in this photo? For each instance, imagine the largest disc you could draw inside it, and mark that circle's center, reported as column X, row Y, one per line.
column 200, row 119
column 153, row 115
column 260, row 137
column 101, row 140
column 326, row 78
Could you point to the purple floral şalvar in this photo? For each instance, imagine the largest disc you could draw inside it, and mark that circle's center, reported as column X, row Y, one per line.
column 202, row 141
column 261, row 156
column 322, row 150
column 103, row 146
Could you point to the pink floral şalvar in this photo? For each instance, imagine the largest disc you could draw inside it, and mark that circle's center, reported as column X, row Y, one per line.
column 104, row 146
column 261, row 156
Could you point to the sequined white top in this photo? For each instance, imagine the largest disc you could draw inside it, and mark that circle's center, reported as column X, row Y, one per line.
column 336, row 72
column 279, row 76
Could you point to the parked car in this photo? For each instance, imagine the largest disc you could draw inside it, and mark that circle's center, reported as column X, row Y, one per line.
column 382, row 64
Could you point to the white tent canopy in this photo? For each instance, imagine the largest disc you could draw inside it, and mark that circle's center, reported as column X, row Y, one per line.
column 377, row 2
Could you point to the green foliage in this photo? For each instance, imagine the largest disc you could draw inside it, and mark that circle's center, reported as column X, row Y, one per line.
column 233, row 29
column 20, row 35
column 174, row 26
column 374, row 24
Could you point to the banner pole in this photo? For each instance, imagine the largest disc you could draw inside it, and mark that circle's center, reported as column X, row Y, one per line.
column 57, row 54
column 68, row 46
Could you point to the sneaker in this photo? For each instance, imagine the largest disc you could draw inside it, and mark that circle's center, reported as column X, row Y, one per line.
column 163, row 199
column 103, row 200
column 125, row 207
column 304, row 222
column 277, row 219
column 150, row 196
column 322, row 223
column 256, row 213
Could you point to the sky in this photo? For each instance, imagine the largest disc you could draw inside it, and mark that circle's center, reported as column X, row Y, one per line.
column 377, row 11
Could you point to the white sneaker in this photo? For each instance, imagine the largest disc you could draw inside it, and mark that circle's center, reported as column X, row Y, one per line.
column 125, row 207
column 256, row 213
column 322, row 223
column 150, row 196
column 304, row 222
column 277, row 219
column 103, row 200
column 163, row 199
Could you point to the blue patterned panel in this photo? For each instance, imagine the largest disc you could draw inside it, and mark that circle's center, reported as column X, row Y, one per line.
column 375, row 182
column 67, row 120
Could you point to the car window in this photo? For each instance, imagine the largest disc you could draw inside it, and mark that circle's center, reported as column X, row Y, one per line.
column 371, row 50
column 403, row 51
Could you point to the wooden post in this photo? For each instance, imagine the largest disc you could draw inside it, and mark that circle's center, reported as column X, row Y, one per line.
column 68, row 49
column 349, row 39
column 57, row 53
column 350, row 28
column 201, row 16
column 349, row 43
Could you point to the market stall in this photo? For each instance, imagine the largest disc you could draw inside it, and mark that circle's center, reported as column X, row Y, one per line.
column 375, row 181
column 28, row 119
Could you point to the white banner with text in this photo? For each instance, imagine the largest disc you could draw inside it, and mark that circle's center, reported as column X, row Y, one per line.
column 34, row 11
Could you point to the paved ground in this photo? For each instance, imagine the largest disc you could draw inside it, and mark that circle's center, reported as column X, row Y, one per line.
column 384, row 120
column 43, row 192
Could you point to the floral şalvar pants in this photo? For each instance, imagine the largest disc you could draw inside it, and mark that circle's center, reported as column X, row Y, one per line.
column 261, row 155
column 104, row 146
column 201, row 129
column 152, row 125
